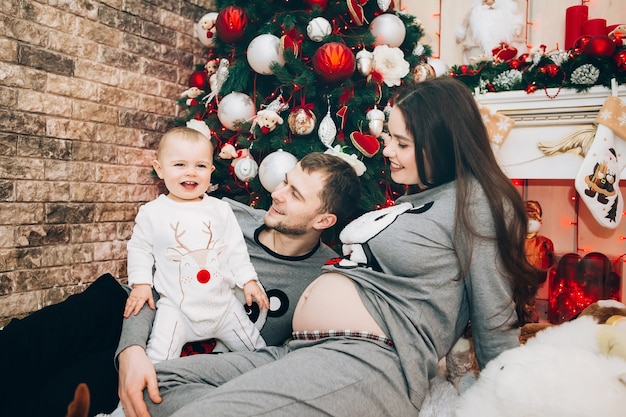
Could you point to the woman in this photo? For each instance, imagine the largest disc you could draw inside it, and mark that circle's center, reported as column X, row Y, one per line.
column 369, row 332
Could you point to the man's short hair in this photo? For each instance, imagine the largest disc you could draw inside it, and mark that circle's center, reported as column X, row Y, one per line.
column 342, row 187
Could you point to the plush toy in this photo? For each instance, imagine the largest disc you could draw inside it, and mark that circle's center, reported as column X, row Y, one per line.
column 577, row 368
column 539, row 251
column 266, row 120
column 488, row 24
column 618, row 32
column 191, row 95
column 228, row 151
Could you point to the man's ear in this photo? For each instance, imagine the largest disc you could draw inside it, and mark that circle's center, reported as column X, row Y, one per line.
column 325, row 221
column 157, row 168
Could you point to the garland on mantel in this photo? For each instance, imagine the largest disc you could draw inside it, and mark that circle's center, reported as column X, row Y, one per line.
column 590, row 62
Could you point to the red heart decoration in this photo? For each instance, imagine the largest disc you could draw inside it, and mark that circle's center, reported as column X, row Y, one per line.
column 368, row 145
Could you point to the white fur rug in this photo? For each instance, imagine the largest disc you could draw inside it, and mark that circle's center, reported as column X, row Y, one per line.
column 441, row 398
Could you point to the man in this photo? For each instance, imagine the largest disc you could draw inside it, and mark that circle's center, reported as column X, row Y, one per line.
column 285, row 248
column 46, row 355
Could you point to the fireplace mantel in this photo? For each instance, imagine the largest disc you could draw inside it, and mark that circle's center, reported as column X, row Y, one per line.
column 549, row 136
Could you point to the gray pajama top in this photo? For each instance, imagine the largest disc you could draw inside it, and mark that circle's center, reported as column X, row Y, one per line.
column 404, row 266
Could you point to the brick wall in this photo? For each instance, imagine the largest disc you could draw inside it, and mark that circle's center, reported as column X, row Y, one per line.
column 86, row 89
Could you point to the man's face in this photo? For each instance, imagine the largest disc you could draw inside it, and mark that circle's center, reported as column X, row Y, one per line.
column 296, row 203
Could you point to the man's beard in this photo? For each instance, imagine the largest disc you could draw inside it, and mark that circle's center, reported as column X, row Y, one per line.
column 295, row 230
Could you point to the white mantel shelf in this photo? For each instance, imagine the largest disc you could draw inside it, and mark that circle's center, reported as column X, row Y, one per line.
column 541, row 121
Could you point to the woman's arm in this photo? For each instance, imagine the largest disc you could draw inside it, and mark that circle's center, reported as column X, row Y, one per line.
column 490, row 290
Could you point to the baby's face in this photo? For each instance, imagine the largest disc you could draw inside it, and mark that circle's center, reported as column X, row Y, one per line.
column 186, row 169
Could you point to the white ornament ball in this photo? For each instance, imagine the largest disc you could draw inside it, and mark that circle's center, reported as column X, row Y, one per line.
column 205, row 29
column 274, row 167
column 246, row 169
column 235, row 108
column 388, row 29
column 263, row 51
column 318, row 29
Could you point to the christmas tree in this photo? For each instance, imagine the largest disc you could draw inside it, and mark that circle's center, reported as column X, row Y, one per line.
column 321, row 73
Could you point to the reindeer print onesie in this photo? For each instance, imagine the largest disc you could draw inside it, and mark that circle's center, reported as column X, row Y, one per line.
column 194, row 255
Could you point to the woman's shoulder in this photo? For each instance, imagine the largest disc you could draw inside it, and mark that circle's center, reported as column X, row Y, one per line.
column 443, row 194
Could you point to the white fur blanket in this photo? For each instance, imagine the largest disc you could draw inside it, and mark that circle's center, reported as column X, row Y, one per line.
column 441, row 398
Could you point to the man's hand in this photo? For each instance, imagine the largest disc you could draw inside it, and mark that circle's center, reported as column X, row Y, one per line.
column 253, row 291
column 136, row 373
column 140, row 294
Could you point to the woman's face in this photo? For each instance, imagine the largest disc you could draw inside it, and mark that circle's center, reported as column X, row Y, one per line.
column 400, row 150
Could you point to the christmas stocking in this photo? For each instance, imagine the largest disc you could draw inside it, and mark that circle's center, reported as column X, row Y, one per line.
column 597, row 181
column 498, row 126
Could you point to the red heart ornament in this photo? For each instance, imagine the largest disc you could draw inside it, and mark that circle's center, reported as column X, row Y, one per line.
column 368, row 145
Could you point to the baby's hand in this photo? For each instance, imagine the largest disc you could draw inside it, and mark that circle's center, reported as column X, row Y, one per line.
column 137, row 298
column 252, row 290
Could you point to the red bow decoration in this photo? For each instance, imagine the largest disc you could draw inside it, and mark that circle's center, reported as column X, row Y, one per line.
column 307, row 107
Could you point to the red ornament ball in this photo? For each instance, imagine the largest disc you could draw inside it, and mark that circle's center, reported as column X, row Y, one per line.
column 620, row 60
column 199, row 79
column 334, row 61
column 515, row 64
column 551, row 70
column 580, row 43
column 600, row 46
column 230, row 24
column 321, row 4
column 531, row 88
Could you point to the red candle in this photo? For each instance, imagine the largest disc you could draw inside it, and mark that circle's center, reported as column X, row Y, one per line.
column 594, row 27
column 575, row 17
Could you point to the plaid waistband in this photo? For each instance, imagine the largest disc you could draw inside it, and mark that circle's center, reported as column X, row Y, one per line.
column 319, row 334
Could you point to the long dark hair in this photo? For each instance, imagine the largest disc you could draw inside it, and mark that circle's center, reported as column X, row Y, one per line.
column 448, row 131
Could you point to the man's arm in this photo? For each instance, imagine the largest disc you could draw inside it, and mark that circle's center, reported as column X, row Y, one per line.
column 136, row 329
column 136, row 371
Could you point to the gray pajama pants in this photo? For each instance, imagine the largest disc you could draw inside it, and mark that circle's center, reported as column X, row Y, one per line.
column 340, row 376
